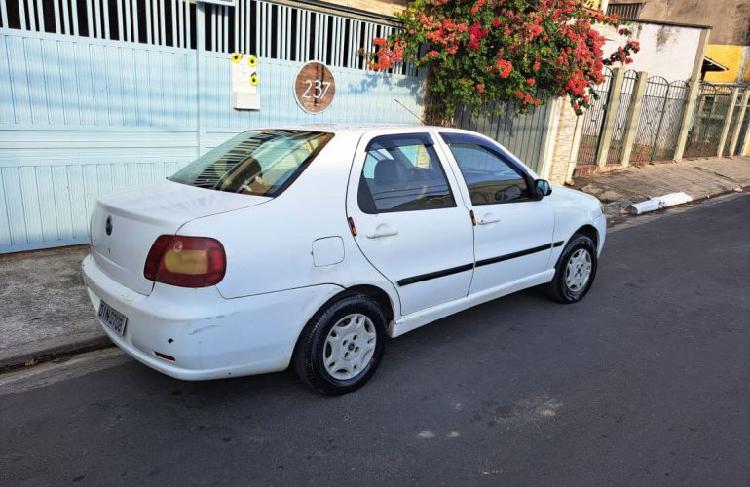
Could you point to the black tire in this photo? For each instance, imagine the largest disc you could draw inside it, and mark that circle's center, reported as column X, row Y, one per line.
column 558, row 289
column 308, row 353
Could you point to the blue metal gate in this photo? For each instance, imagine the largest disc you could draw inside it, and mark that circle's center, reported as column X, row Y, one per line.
column 97, row 95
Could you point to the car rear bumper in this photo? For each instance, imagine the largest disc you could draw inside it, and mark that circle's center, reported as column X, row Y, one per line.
column 208, row 336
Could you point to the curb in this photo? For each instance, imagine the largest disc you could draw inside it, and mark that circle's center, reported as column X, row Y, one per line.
column 624, row 216
column 20, row 361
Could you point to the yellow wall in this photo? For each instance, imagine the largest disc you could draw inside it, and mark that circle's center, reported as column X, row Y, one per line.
column 733, row 57
column 592, row 4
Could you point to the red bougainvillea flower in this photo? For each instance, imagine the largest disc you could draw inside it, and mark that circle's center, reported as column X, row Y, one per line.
column 476, row 33
column 534, row 30
column 475, row 8
column 522, row 51
column 503, row 67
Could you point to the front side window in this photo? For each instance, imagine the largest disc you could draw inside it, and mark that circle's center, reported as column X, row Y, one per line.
column 402, row 173
column 491, row 179
column 261, row 163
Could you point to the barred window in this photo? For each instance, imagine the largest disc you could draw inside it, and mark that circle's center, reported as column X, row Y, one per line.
column 625, row 11
column 159, row 22
column 251, row 27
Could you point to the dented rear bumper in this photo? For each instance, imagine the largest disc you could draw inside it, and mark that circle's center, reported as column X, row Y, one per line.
column 196, row 334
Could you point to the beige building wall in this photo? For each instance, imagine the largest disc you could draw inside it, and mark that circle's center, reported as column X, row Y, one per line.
column 381, row 7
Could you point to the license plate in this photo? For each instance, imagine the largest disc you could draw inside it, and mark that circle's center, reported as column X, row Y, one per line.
column 112, row 318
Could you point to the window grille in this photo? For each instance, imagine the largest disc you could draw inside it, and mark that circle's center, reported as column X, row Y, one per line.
column 625, row 11
column 252, row 27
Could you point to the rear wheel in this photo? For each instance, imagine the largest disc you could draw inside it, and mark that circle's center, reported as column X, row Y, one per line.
column 575, row 270
column 341, row 347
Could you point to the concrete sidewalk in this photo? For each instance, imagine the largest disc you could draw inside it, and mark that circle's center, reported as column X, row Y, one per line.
column 46, row 311
column 700, row 178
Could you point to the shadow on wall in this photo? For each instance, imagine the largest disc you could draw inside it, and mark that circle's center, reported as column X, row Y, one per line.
column 409, row 90
column 370, row 81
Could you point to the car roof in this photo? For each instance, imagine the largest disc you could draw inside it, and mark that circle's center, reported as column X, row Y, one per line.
column 360, row 129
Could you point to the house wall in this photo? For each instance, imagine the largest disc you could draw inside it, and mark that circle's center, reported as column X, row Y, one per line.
column 730, row 19
column 666, row 50
column 736, row 58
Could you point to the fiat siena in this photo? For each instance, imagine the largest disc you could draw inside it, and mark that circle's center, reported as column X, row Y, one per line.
column 311, row 246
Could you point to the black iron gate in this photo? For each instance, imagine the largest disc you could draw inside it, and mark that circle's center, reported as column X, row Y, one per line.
column 662, row 109
column 626, row 95
column 727, row 149
column 593, row 120
column 743, row 129
column 711, row 110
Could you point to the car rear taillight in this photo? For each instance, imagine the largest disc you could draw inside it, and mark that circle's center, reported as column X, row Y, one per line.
column 185, row 261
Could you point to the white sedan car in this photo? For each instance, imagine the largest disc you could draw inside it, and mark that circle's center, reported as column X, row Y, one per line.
column 312, row 245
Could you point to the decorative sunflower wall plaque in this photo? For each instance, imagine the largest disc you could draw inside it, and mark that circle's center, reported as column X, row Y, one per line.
column 245, row 82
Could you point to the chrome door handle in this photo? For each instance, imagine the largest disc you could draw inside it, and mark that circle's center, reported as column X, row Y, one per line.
column 383, row 230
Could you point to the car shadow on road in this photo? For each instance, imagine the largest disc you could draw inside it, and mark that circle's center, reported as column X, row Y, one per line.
column 504, row 316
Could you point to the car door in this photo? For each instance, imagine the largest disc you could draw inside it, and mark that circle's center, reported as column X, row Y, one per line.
column 513, row 232
column 411, row 224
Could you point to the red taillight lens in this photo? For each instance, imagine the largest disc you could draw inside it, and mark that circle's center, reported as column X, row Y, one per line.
column 185, row 261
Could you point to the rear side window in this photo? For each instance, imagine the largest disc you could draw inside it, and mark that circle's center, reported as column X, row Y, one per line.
column 490, row 177
column 402, row 173
column 261, row 163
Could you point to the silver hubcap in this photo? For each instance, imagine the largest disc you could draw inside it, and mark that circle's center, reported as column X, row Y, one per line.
column 349, row 346
column 578, row 270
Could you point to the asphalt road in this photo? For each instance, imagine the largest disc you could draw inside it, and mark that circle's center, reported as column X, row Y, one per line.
column 645, row 382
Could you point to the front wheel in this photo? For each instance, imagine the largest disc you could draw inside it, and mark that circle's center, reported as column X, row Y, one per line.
column 340, row 348
column 575, row 271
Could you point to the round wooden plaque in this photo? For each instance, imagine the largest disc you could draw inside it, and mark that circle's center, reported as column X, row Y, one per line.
column 314, row 87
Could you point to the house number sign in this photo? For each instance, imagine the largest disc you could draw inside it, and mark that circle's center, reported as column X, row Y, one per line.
column 314, row 87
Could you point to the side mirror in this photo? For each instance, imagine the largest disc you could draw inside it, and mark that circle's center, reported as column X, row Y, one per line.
column 542, row 188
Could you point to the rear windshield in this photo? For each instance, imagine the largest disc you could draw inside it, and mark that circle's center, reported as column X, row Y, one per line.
column 261, row 163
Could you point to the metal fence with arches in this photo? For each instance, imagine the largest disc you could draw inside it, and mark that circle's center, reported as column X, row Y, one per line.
column 728, row 150
column 593, row 120
column 707, row 125
column 738, row 148
column 662, row 109
column 621, row 120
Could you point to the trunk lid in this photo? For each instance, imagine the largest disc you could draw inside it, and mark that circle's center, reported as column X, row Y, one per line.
column 125, row 225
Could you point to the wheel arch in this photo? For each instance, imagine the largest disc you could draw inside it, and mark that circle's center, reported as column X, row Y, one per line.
column 590, row 231
column 378, row 294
